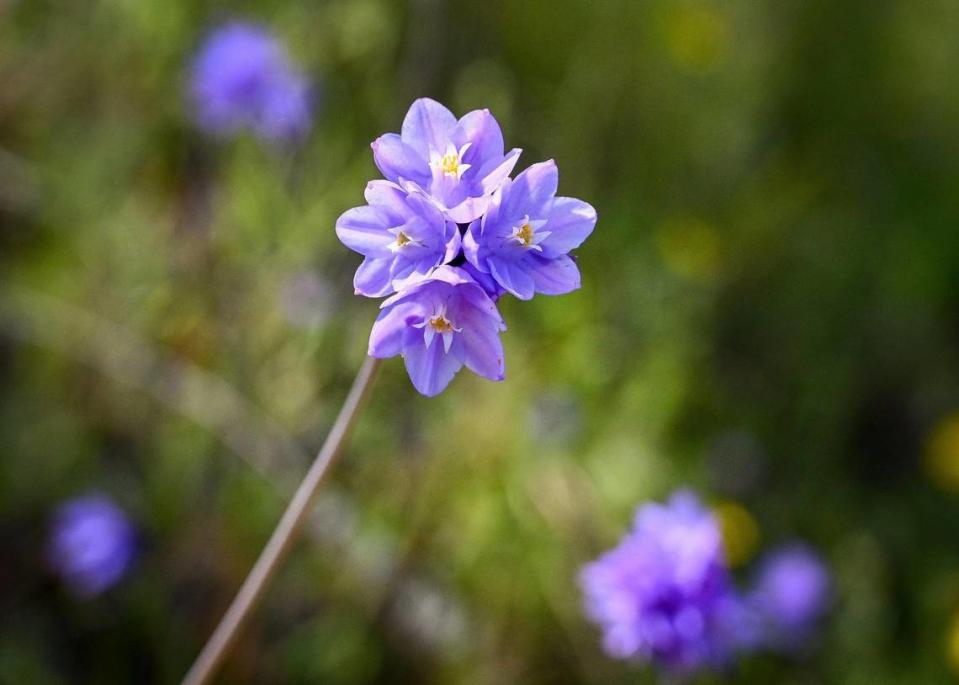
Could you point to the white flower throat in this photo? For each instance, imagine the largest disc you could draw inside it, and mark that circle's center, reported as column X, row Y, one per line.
column 451, row 163
column 438, row 324
column 527, row 234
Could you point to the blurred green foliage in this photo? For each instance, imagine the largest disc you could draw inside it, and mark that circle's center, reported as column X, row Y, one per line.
column 769, row 313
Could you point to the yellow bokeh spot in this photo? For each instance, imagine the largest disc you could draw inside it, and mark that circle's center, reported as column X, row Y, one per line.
column 689, row 247
column 740, row 532
column 697, row 37
column 942, row 453
column 952, row 644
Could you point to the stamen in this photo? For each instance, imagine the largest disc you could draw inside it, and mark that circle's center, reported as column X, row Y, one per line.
column 401, row 241
column 525, row 234
column 441, row 324
column 438, row 324
column 450, row 163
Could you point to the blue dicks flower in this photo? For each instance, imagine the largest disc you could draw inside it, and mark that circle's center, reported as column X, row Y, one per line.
column 664, row 594
column 243, row 78
column 439, row 325
column 791, row 594
column 402, row 235
column 92, row 544
column 458, row 163
column 524, row 239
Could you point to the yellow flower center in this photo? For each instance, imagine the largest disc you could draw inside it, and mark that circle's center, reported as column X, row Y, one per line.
column 450, row 164
column 441, row 324
column 524, row 234
column 402, row 239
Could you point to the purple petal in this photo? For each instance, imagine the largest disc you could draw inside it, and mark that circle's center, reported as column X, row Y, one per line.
column 469, row 209
column 430, row 368
column 454, row 245
column 481, row 129
column 427, row 125
column 423, row 205
column 492, row 176
column 389, row 197
column 556, row 276
column 452, row 275
column 482, row 349
column 372, row 278
column 386, row 338
column 531, row 190
column 397, row 160
column 471, row 246
column 412, row 273
column 362, row 229
column 512, row 276
column 570, row 223
column 489, row 285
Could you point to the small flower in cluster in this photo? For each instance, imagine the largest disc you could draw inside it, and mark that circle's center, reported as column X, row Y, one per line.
column 403, row 237
column 448, row 233
column 790, row 597
column 92, row 544
column 439, row 325
column 524, row 239
column 664, row 595
column 242, row 78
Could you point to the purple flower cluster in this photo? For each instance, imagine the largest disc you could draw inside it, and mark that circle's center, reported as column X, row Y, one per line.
column 243, row 78
column 449, row 232
column 665, row 596
column 791, row 594
column 92, row 544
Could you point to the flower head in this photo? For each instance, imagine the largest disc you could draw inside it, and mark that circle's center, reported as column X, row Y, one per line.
column 791, row 594
column 402, row 235
column 458, row 163
column 524, row 239
column 243, row 78
column 417, row 239
column 91, row 545
column 438, row 325
column 664, row 594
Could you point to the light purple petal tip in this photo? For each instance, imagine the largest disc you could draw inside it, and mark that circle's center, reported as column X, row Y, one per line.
column 430, row 368
column 427, row 126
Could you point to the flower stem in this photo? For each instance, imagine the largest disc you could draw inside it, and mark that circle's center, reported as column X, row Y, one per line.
column 276, row 549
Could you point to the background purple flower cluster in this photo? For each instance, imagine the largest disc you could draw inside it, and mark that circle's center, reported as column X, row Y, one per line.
column 449, row 232
column 243, row 78
column 664, row 595
column 92, row 544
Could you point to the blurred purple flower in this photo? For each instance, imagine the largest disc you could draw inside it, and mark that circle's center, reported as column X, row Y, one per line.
column 458, row 163
column 438, row 325
column 242, row 78
column 402, row 235
column 791, row 594
column 92, row 544
column 524, row 239
column 664, row 595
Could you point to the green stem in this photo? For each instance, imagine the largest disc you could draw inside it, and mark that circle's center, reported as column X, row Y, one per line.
column 278, row 546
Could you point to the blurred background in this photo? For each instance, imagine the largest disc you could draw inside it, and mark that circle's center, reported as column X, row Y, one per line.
column 769, row 314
